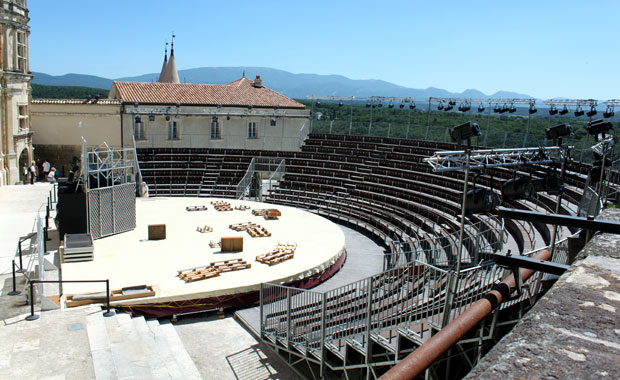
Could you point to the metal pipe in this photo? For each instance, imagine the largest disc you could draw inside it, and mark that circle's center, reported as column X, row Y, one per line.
column 432, row 349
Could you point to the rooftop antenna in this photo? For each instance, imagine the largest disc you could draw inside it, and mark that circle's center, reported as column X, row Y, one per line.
column 172, row 44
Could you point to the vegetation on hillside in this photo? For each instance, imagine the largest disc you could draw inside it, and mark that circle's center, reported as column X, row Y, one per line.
column 40, row 91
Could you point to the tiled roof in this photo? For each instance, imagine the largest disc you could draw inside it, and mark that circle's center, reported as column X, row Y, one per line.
column 238, row 93
column 105, row 102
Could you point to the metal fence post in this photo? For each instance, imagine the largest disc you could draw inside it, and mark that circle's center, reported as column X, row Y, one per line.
column 260, row 314
column 323, row 323
column 32, row 315
column 368, row 324
column 108, row 313
column 14, row 292
column 288, row 316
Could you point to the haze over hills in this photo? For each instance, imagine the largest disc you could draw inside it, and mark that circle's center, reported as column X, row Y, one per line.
column 292, row 85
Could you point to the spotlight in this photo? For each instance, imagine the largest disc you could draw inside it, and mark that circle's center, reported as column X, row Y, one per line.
column 412, row 106
column 461, row 107
column 401, row 105
column 138, row 120
column 564, row 111
column 532, row 109
column 597, row 127
column 374, row 105
column 214, row 119
column 579, row 111
column 273, row 122
column 380, row 105
column 227, row 117
column 558, row 131
column 553, row 110
column 151, row 117
column 464, row 132
column 452, row 102
column 440, row 106
column 318, row 104
column 609, row 113
column 340, row 104
column 592, row 112
column 367, row 105
column 512, row 109
column 480, row 200
column 391, row 105
column 449, row 107
column 480, row 108
column 517, row 188
column 250, row 107
column 497, row 109
column 504, row 109
column 178, row 104
column 167, row 117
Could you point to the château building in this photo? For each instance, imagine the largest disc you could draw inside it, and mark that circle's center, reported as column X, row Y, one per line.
column 15, row 133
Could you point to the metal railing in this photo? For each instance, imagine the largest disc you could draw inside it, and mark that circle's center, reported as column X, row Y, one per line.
column 245, row 183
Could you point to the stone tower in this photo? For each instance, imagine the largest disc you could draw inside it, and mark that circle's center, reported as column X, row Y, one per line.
column 15, row 77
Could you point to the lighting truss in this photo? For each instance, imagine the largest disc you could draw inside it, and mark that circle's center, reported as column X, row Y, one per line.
column 390, row 99
column 329, row 97
column 443, row 161
column 575, row 102
column 511, row 101
column 613, row 102
column 456, row 100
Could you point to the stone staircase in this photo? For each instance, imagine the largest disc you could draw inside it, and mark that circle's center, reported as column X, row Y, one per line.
column 133, row 348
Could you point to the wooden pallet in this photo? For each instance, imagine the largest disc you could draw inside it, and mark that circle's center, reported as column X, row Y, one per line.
column 204, row 229
column 230, row 265
column 242, row 226
column 259, row 211
column 197, row 274
column 115, row 295
column 274, row 257
column 221, row 206
column 213, row 244
column 258, row 231
column 196, row 208
column 242, row 207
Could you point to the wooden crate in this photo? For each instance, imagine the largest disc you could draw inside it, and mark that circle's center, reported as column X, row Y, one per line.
column 157, row 231
column 230, row 265
column 232, row 244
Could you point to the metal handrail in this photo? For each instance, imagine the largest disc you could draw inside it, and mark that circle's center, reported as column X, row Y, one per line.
column 34, row 316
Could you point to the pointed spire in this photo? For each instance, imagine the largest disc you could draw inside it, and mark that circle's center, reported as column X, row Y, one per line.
column 243, row 74
column 169, row 72
column 163, row 67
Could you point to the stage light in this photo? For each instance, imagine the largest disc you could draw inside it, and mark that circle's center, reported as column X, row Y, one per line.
column 497, row 109
column 449, row 107
column 609, row 112
column 512, row 109
column 553, row 110
column 412, row 106
column 440, row 106
column 592, row 112
column 564, row 111
column 340, row 104
column 480, row 108
column 391, row 105
column 367, row 105
column 138, row 120
column 167, row 117
column 273, row 122
column 227, row 117
column 517, row 188
column 579, row 111
column 250, row 107
column 151, row 117
column 380, row 105
column 214, row 119
column 401, row 105
column 464, row 132
column 452, row 102
column 460, row 108
column 178, row 104
column 504, row 109
column 318, row 104
column 558, row 131
column 481, row 200
column 597, row 127
column 532, row 109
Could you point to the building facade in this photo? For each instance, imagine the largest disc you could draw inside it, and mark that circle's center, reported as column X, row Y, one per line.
column 15, row 77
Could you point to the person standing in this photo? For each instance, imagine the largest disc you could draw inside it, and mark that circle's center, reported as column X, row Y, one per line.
column 46, row 168
column 51, row 176
column 25, row 171
column 33, row 172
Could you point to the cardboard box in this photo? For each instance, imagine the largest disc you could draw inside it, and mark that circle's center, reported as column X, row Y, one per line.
column 232, row 244
column 157, row 231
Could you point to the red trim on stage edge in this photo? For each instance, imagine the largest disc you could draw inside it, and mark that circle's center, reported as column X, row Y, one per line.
column 239, row 301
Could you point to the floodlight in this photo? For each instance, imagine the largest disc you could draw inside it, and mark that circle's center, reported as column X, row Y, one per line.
column 167, row 117
column 448, row 107
column 592, row 112
column 401, row 105
column 250, row 107
column 227, row 117
column 318, row 104
column 564, row 111
column 340, row 104
column 452, row 102
column 151, row 117
column 391, row 105
column 412, row 106
column 464, row 132
column 214, row 119
column 609, row 112
column 461, row 107
column 440, row 106
column 178, row 104
column 599, row 126
column 138, row 120
column 367, row 105
column 512, row 109
column 380, row 105
column 517, row 188
column 532, row 109
column 497, row 109
column 273, row 122
column 480, row 200
column 558, row 131
column 480, row 108
column 505, row 108
column 579, row 111
column 553, row 110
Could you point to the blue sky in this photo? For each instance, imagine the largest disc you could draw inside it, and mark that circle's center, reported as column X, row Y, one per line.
column 540, row 48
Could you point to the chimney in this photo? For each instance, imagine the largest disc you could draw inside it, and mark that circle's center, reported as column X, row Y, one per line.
column 258, row 83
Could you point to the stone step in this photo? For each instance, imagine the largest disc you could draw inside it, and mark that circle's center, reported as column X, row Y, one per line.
column 180, row 353
column 100, row 350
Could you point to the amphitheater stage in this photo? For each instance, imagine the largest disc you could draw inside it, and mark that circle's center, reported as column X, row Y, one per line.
column 130, row 259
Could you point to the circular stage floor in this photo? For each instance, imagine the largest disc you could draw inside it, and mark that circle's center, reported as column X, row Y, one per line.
column 130, row 259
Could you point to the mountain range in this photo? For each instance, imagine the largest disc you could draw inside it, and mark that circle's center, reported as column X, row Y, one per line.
column 296, row 86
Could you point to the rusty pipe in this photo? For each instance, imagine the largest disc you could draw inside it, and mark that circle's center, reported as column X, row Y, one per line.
column 425, row 355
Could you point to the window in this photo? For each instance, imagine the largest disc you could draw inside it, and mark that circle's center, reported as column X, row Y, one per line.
column 23, row 116
column 252, row 130
column 216, row 132
column 139, row 129
column 21, row 52
column 173, row 130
